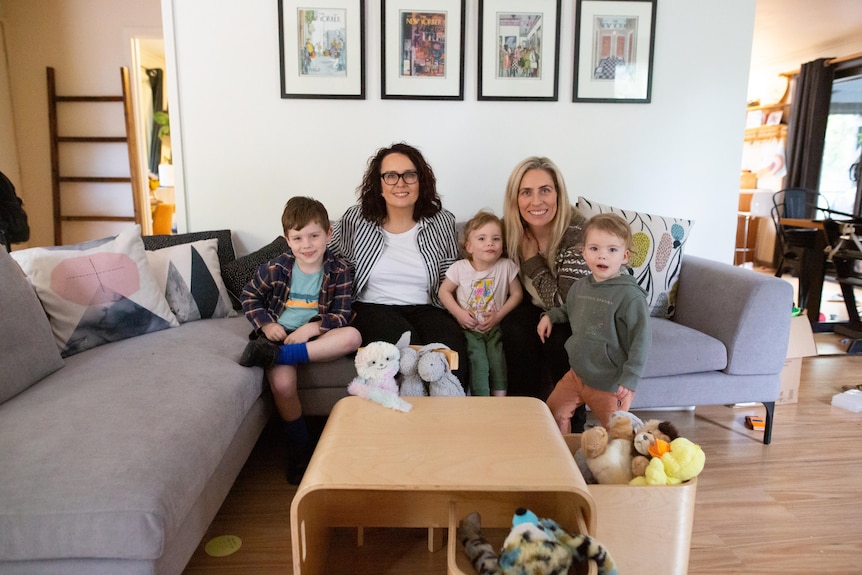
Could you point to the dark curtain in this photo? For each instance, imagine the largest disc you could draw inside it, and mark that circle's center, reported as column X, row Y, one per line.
column 155, row 76
column 809, row 109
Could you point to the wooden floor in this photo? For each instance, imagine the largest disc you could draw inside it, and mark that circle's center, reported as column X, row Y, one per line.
column 794, row 506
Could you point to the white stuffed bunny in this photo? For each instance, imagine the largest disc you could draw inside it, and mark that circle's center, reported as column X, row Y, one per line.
column 376, row 367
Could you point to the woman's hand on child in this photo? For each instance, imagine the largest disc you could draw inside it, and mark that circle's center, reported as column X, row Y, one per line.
column 544, row 328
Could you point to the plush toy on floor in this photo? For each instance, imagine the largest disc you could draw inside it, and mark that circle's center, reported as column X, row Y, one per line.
column 376, row 367
column 533, row 547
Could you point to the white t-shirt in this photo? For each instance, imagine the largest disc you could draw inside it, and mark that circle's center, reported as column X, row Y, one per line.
column 481, row 291
column 399, row 276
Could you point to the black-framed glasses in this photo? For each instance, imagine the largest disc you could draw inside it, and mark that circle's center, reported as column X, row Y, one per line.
column 392, row 178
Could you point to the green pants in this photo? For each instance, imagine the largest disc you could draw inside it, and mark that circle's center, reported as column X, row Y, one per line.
column 487, row 362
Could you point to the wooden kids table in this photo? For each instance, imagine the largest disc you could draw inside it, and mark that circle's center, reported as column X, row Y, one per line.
column 448, row 457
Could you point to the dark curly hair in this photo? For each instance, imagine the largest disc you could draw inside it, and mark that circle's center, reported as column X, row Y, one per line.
column 370, row 192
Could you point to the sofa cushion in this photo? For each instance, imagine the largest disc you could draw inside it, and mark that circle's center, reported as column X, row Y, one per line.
column 190, row 277
column 112, row 452
column 29, row 351
column 239, row 272
column 98, row 291
column 657, row 260
column 680, row 350
column 225, row 243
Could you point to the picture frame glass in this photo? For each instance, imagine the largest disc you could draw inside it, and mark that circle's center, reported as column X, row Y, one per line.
column 613, row 51
column 518, row 50
column 321, row 44
column 422, row 49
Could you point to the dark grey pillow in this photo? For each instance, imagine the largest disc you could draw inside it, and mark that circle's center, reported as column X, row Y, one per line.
column 30, row 352
column 225, row 243
column 239, row 272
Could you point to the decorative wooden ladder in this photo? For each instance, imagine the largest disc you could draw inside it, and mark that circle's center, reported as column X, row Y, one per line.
column 128, row 138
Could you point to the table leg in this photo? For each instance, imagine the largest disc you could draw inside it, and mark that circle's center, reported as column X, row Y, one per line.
column 814, row 271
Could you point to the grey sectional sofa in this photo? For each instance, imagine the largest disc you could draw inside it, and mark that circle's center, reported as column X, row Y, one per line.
column 115, row 460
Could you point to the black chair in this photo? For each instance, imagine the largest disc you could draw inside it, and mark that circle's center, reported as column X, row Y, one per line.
column 793, row 242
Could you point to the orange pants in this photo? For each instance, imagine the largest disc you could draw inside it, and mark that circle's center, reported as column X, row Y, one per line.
column 570, row 393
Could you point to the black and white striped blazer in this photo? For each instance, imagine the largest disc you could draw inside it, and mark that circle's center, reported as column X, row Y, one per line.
column 360, row 242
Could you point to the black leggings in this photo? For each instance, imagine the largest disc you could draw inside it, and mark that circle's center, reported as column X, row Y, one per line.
column 426, row 324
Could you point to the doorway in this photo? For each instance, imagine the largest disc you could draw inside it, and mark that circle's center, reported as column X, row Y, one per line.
column 149, row 86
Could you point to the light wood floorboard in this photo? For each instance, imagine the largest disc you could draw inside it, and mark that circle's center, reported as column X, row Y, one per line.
column 794, row 506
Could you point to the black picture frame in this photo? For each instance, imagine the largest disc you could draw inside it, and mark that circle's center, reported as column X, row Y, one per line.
column 322, row 48
column 429, row 64
column 613, row 51
column 519, row 50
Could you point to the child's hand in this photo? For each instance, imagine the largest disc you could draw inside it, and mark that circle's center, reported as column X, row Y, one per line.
column 465, row 319
column 304, row 333
column 544, row 328
column 490, row 318
column 274, row 332
column 622, row 394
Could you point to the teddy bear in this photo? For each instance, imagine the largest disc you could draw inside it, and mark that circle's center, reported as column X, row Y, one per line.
column 376, row 367
column 433, row 368
column 607, row 453
column 533, row 547
column 682, row 461
column 652, row 439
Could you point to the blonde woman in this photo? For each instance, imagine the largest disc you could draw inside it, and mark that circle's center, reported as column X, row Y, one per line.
column 544, row 236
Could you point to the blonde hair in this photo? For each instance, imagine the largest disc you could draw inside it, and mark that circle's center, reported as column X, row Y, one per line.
column 514, row 224
column 612, row 224
column 481, row 218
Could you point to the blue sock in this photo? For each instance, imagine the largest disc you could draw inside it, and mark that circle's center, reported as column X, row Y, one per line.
column 292, row 353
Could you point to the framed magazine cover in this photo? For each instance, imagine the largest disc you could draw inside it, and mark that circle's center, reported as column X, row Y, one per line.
column 422, row 49
column 519, row 48
column 322, row 48
column 614, row 43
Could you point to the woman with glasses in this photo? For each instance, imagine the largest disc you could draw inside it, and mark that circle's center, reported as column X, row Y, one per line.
column 544, row 237
column 400, row 242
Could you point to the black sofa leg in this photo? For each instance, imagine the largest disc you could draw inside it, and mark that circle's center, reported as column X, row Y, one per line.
column 770, row 414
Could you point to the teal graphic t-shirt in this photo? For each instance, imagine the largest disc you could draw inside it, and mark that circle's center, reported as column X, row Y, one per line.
column 302, row 299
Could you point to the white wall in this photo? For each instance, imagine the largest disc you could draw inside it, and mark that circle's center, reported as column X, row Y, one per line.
column 245, row 150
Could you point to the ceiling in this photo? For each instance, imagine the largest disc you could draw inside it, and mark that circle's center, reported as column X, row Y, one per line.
column 788, row 33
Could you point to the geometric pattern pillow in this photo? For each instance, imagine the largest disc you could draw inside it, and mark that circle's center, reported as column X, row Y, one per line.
column 190, row 277
column 656, row 260
column 98, row 291
column 239, row 272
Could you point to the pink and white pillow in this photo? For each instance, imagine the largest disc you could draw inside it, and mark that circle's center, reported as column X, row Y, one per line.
column 97, row 292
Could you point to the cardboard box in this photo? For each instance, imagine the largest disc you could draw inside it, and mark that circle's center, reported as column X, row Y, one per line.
column 801, row 344
column 668, row 511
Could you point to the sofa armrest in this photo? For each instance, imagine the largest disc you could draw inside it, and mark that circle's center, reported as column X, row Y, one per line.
column 747, row 311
